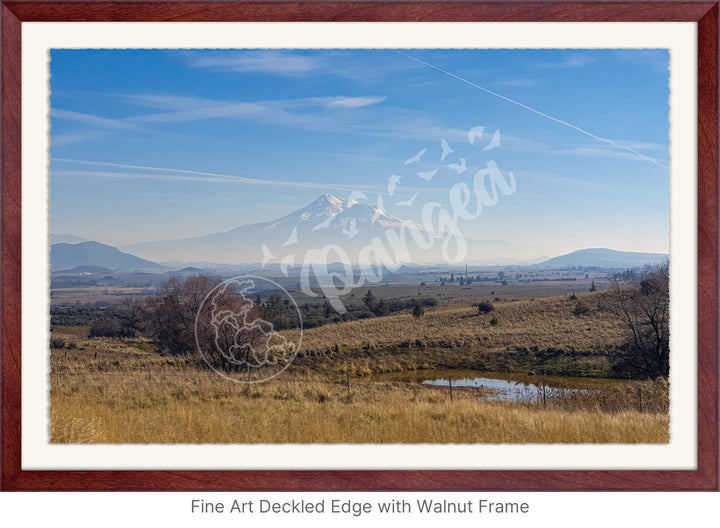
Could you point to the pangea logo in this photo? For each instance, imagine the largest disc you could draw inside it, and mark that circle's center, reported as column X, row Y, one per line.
column 235, row 330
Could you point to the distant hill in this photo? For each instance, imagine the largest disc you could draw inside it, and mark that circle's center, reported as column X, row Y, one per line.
column 191, row 269
column 69, row 256
column 604, row 258
column 85, row 269
column 66, row 239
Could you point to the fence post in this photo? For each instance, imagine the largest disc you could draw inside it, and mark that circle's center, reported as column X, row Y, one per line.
column 640, row 398
column 347, row 382
column 544, row 399
column 450, row 385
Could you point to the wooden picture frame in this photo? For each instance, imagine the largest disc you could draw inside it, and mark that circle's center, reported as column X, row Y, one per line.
column 704, row 13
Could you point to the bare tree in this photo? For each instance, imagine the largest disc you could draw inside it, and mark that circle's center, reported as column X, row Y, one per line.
column 173, row 312
column 642, row 303
column 132, row 313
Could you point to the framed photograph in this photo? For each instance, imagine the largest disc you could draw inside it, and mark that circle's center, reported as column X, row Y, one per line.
column 306, row 246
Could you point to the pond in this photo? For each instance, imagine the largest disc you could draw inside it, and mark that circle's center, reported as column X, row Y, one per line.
column 506, row 390
column 507, row 387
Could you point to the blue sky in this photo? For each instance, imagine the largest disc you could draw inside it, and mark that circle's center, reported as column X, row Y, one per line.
column 158, row 144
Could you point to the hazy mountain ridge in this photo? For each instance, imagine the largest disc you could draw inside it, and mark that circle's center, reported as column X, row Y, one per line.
column 352, row 227
column 85, row 269
column 66, row 239
column 65, row 256
column 349, row 225
column 604, row 258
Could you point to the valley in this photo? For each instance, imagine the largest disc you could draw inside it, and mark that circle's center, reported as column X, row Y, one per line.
column 305, row 329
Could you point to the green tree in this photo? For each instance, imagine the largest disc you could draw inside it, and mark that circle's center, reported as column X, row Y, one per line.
column 370, row 300
column 381, row 308
column 272, row 308
column 418, row 311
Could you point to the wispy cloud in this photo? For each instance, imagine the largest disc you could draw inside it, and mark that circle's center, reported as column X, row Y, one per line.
column 515, row 83
column 349, row 102
column 598, row 152
column 203, row 112
column 96, row 127
column 563, row 181
column 331, row 116
column 164, row 101
column 591, row 151
column 153, row 173
column 92, row 120
column 642, row 145
column 353, row 115
column 658, row 60
column 571, row 61
column 182, row 103
column 178, row 109
column 538, row 112
column 290, row 63
column 271, row 62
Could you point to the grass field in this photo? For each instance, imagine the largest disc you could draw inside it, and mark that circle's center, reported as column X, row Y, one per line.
column 541, row 335
column 121, row 391
column 201, row 409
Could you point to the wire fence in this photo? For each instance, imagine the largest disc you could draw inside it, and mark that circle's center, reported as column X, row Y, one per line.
column 643, row 397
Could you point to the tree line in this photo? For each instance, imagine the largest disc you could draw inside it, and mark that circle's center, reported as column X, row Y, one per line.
column 640, row 300
column 168, row 318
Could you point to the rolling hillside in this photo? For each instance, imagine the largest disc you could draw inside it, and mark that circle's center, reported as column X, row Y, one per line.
column 69, row 256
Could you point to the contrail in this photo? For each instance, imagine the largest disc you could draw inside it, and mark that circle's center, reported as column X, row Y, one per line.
column 538, row 112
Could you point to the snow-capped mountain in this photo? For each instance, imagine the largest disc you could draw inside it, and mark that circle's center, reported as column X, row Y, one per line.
column 349, row 225
column 326, row 205
column 329, row 211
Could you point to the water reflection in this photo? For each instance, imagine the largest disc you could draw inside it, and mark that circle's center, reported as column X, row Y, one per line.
column 506, row 390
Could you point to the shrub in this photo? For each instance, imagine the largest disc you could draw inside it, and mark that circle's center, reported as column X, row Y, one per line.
column 580, row 309
column 484, row 307
column 57, row 342
column 106, row 328
column 494, row 321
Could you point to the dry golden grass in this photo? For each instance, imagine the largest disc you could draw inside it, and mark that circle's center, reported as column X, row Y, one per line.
column 115, row 391
column 546, row 330
column 210, row 411
column 544, row 323
column 184, row 404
